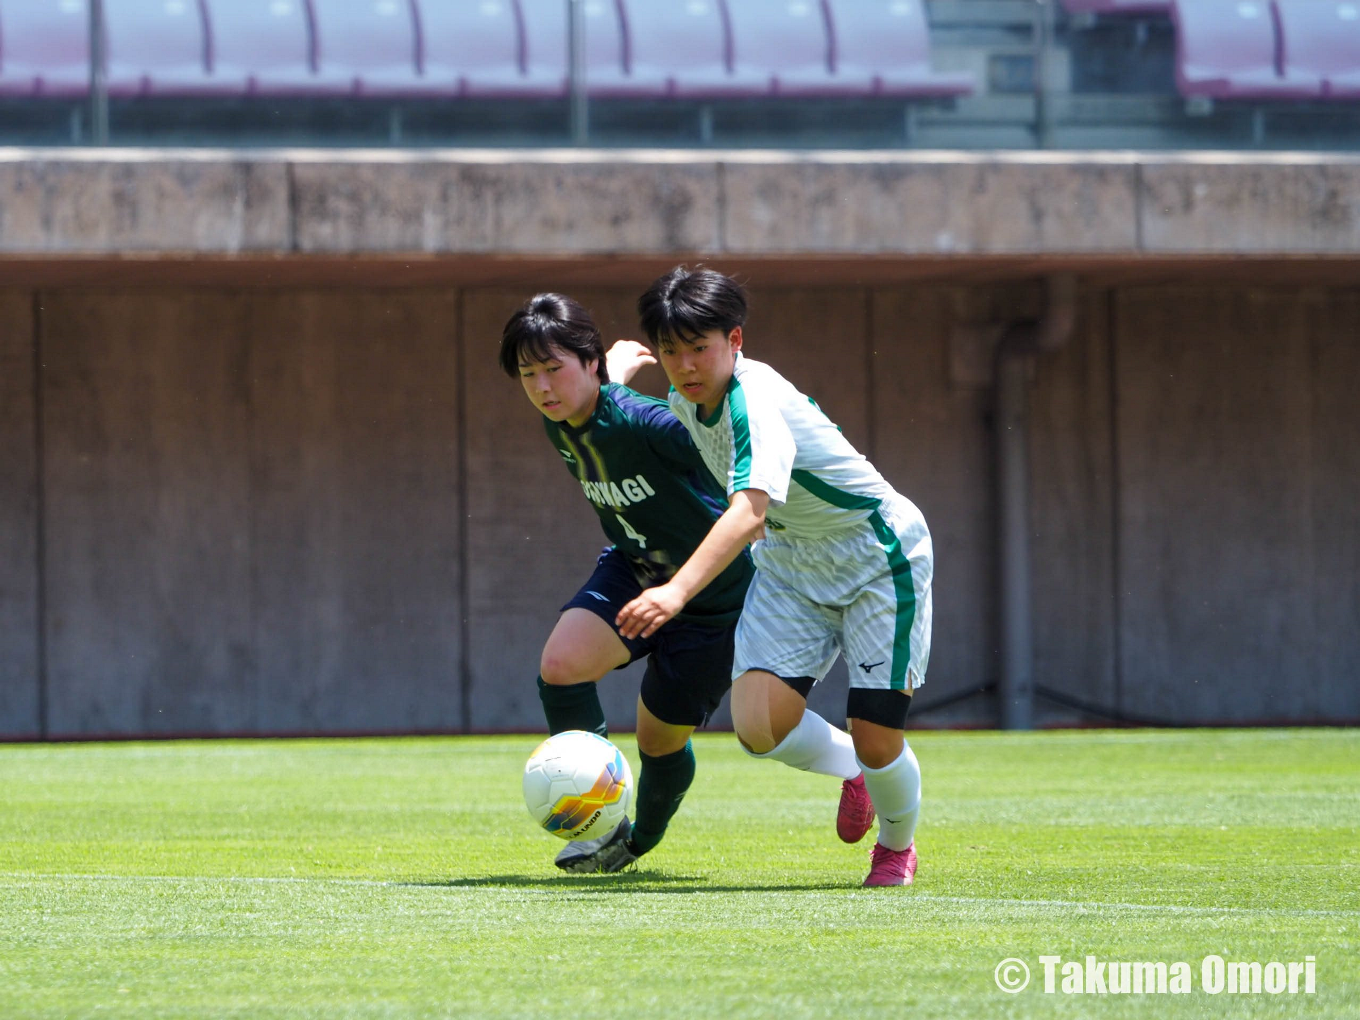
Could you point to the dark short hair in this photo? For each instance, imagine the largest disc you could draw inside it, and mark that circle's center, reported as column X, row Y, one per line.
column 545, row 327
column 687, row 303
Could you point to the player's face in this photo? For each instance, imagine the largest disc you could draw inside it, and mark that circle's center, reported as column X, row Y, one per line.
column 563, row 388
column 701, row 370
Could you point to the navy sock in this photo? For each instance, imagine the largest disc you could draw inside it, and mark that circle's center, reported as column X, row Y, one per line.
column 661, row 787
column 572, row 707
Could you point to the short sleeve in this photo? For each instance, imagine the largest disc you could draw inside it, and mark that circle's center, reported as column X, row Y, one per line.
column 662, row 431
column 763, row 447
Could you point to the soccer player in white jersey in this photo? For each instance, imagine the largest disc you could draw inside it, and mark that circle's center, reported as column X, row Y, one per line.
column 845, row 564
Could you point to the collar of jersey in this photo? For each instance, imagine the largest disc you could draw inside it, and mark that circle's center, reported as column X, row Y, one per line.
column 572, row 430
column 717, row 411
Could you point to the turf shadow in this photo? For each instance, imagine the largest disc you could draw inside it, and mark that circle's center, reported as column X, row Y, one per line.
column 628, row 882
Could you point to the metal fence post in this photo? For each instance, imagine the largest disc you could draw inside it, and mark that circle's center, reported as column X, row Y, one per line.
column 576, row 42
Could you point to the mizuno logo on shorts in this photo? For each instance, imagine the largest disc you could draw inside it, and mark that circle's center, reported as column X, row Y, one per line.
column 597, row 595
column 869, row 666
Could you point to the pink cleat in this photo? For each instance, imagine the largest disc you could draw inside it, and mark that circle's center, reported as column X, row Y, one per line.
column 856, row 812
column 891, row 867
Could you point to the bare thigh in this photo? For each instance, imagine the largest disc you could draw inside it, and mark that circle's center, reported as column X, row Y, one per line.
column 581, row 649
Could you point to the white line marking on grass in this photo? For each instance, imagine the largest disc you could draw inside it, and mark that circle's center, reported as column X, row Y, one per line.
column 1168, row 908
column 1165, row 908
column 241, row 879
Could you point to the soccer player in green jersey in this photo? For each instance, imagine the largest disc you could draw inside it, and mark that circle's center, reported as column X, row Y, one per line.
column 845, row 567
column 656, row 501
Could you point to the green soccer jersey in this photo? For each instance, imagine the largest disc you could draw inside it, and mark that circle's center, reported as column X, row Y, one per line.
column 655, row 498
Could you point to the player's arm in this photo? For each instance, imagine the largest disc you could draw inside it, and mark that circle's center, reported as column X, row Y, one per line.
column 742, row 522
column 625, row 359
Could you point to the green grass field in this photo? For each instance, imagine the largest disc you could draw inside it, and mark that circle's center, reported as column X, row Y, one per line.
column 403, row 878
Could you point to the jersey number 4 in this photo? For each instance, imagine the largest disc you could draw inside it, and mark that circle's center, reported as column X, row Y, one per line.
column 641, row 540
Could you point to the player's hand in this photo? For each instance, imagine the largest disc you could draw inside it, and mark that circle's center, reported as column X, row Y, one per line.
column 625, row 359
column 649, row 611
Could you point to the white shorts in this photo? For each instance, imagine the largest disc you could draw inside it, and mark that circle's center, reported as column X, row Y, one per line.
column 863, row 591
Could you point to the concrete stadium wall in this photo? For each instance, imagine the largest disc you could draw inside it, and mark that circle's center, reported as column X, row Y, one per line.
column 254, row 516
column 127, row 201
column 250, row 513
column 259, row 473
column 1239, row 467
column 20, row 690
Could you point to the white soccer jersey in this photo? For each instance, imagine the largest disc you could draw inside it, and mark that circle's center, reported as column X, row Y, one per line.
column 848, row 562
column 766, row 435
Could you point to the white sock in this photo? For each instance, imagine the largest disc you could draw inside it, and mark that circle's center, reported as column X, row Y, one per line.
column 895, row 790
column 814, row 745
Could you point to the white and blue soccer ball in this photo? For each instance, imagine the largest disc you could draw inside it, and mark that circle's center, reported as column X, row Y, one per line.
column 578, row 785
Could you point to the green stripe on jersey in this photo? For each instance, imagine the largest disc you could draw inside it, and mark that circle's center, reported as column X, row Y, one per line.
column 906, row 600
column 828, row 493
column 741, row 438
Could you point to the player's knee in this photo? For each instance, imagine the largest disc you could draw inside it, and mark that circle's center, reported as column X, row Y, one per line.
column 560, row 670
column 658, row 744
column 751, row 716
column 754, row 731
column 656, row 738
column 876, row 747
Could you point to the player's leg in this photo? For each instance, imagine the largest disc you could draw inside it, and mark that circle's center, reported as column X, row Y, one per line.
column 772, row 720
column 657, row 739
column 785, row 643
column 580, row 651
column 887, row 640
column 666, row 770
column 687, row 675
column 585, row 646
column 892, row 777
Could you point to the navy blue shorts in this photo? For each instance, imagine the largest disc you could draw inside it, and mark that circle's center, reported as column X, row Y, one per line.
column 689, row 665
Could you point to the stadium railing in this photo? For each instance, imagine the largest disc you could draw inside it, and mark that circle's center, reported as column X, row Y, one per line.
column 260, row 47
column 1321, row 41
column 1117, row 6
column 970, row 73
column 1231, row 49
column 637, row 48
column 45, row 48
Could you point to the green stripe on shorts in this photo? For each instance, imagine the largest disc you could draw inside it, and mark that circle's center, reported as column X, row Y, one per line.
column 906, row 600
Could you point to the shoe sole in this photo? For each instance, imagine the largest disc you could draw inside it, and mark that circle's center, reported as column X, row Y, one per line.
column 851, row 837
column 586, row 864
column 849, row 830
column 580, row 865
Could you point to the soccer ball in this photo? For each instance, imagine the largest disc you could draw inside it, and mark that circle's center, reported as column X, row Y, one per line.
column 578, row 785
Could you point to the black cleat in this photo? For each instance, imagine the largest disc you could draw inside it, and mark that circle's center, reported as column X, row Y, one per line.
column 582, row 856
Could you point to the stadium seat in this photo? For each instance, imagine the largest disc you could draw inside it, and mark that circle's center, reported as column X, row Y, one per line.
column 1117, row 6
column 883, row 47
column 674, row 48
column 259, row 47
column 1228, row 49
column 546, row 57
column 44, row 48
column 473, row 49
column 782, row 47
column 154, row 47
column 365, row 47
column 1322, row 41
